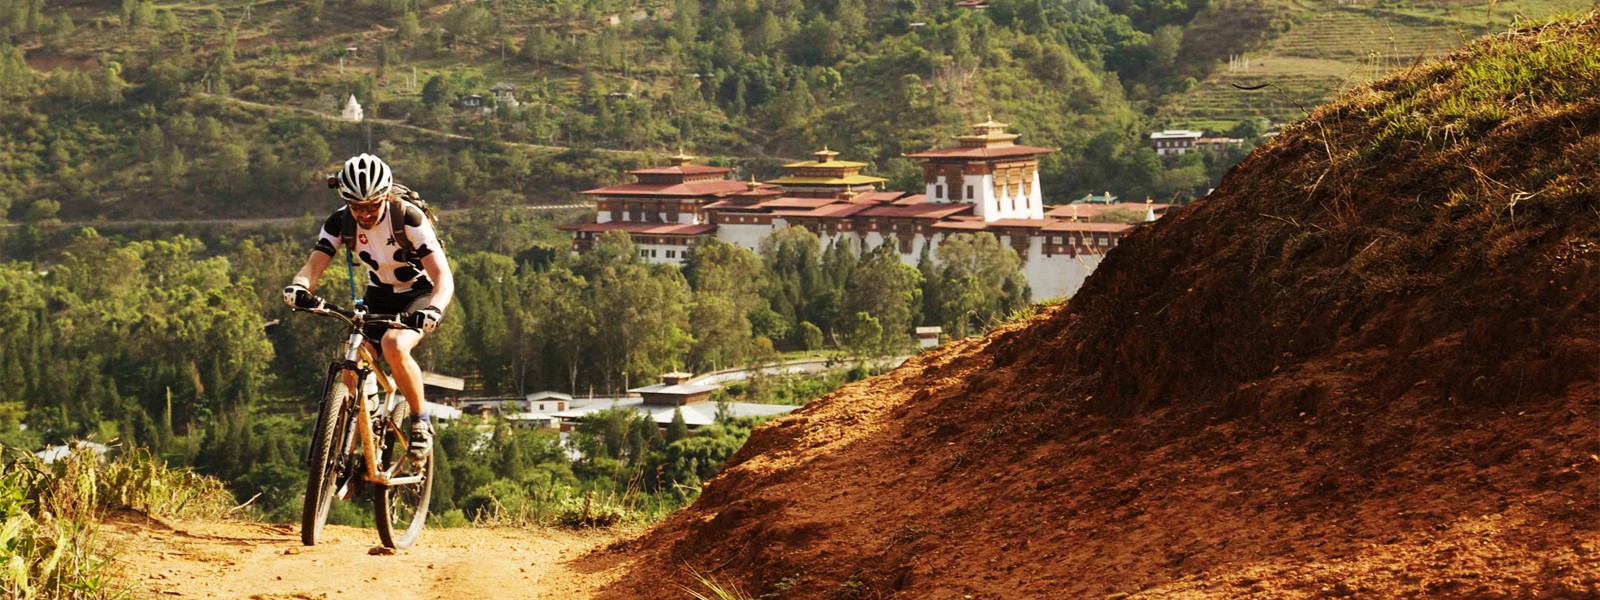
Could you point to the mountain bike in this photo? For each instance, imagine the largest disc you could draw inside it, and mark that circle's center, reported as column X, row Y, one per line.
column 360, row 439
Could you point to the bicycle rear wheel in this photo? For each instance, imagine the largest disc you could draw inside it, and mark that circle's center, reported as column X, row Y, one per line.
column 322, row 467
column 401, row 510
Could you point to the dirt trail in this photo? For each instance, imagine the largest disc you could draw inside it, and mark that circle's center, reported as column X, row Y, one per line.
column 209, row 559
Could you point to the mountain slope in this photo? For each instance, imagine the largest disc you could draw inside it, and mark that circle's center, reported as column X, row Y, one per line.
column 1315, row 50
column 1366, row 365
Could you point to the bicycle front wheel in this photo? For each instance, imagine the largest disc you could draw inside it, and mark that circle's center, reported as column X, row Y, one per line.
column 322, row 467
column 401, row 509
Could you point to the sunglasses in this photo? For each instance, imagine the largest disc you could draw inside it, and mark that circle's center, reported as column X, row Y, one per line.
column 366, row 209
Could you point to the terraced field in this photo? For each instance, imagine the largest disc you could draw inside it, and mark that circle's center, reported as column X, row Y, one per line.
column 1330, row 46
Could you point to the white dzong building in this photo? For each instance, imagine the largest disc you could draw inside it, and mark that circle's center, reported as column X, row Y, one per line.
column 988, row 170
column 986, row 183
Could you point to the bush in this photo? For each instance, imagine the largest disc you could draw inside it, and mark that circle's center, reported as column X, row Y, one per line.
column 594, row 510
column 49, row 515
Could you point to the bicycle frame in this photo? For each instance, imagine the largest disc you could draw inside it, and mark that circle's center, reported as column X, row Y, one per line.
column 357, row 364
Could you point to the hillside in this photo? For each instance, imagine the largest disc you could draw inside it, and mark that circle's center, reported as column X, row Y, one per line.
column 1311, row 51
column 1367, row 365
column 189, row 110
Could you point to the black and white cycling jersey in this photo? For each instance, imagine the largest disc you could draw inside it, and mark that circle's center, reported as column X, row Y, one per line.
column 377, row 248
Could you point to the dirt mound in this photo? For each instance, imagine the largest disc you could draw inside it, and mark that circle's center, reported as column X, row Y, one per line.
column 1366, row 366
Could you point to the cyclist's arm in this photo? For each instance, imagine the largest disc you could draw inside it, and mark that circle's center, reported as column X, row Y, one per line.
column 312, row 271
column 327, row 247
column 444, row 284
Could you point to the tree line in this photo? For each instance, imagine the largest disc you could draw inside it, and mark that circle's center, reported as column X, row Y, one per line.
column 183, row 346
column 133, row 126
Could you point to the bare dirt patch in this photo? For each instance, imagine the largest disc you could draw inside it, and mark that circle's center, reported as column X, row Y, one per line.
column 1367, row 366
column 267, row 562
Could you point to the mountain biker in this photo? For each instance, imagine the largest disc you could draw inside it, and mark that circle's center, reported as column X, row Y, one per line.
column 418, row 289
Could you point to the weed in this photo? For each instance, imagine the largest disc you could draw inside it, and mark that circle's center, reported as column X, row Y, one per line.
column 716, row 589
column 50, row 514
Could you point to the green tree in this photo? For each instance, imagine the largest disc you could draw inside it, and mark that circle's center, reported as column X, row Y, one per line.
column 726, row 280
column 642, row 311
column 886, row 290
column 16, row 78
column 678, row 429
column 976, row 269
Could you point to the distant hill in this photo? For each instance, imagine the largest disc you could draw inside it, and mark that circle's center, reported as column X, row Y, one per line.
column 1309, row 51
column 127, row 111
column 1366, row 366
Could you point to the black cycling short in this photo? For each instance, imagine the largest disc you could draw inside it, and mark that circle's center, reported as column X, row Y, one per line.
column 383, row 301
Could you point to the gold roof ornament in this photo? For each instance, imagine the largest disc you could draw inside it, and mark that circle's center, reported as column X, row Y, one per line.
column 680, row 159
column 988, row 134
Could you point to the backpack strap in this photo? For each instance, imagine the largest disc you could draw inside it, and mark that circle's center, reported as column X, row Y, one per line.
column 397, row 226
column 347, row 231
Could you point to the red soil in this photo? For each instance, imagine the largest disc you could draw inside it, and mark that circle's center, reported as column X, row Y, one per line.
column 1336, row 376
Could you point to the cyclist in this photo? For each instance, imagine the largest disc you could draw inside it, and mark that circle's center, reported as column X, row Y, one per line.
column 419, row 288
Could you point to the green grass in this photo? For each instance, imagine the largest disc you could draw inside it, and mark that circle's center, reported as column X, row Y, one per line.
column 1456, row 103
column 1331, row 48
column 50, row 516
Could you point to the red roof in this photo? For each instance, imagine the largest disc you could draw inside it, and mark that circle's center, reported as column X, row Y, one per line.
column 643, row 228
column 681, row 170
column 911, row 199
column 995, row 152
column 788, row 202
column 1026, row 223
column 683, row 190
column 974, row 225
column 921, row 211
column 880, row 197
column 1088, row 227
column 829, row 211
column 729, row 205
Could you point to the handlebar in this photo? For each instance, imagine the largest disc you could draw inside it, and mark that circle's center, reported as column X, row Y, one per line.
column 355, row 317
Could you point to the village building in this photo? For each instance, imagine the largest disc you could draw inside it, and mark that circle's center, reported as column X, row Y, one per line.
column 1174, row 141
column 675, row 394
column 987, row 182
column 661, row 211
column 1217, row 144
column 505, row 94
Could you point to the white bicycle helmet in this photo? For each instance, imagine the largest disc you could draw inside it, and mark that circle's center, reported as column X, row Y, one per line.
column 365, row 179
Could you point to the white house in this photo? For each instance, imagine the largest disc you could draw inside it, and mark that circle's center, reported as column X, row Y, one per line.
column 1174, row 141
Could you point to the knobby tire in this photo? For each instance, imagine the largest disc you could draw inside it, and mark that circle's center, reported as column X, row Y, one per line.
column 324, row 460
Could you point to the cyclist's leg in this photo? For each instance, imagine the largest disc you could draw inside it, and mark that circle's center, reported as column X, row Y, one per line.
column 397, row 346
